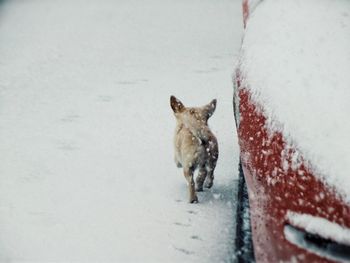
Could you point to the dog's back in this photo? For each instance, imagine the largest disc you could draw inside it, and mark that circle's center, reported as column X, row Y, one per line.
column 189, row 150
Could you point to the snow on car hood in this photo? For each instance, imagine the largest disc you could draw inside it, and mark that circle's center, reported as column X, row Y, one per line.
column 295, row 61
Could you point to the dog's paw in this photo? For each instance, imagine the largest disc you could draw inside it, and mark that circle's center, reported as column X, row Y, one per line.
column 199, row 188
column 194, row 200
column 208, row 184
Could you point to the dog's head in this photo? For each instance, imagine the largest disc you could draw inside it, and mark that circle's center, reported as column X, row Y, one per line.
column 192, row 115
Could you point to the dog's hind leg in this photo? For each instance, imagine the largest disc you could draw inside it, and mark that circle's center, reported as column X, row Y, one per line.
column 202, row 173
column 188, row 172
column 210, row 179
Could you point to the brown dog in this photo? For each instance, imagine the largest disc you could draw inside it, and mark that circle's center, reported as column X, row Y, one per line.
column 195, row 144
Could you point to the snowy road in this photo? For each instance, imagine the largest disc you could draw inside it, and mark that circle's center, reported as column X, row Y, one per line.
column 87, row 171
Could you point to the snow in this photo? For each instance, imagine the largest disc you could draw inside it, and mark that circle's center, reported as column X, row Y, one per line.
column 295, row 61
column 320, row 226
column 253, row 4
column 86, row 129
column 302, row 225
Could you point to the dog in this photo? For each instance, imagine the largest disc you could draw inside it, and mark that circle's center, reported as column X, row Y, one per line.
column 196, row 146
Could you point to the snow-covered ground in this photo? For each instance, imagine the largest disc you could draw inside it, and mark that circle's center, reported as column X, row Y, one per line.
column 86, row 129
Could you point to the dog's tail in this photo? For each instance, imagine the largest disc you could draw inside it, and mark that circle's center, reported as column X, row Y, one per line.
column 204, row 134
column 200, row 131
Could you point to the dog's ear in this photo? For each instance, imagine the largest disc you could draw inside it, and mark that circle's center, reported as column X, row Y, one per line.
column 176, row 104
column 211, row 108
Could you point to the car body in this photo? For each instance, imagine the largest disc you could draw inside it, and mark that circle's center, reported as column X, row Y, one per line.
column 299, row 210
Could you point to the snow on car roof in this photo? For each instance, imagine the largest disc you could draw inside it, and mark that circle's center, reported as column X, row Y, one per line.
column 295, row 62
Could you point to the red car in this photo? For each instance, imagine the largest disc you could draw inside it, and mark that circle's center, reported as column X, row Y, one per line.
column 292, row 106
